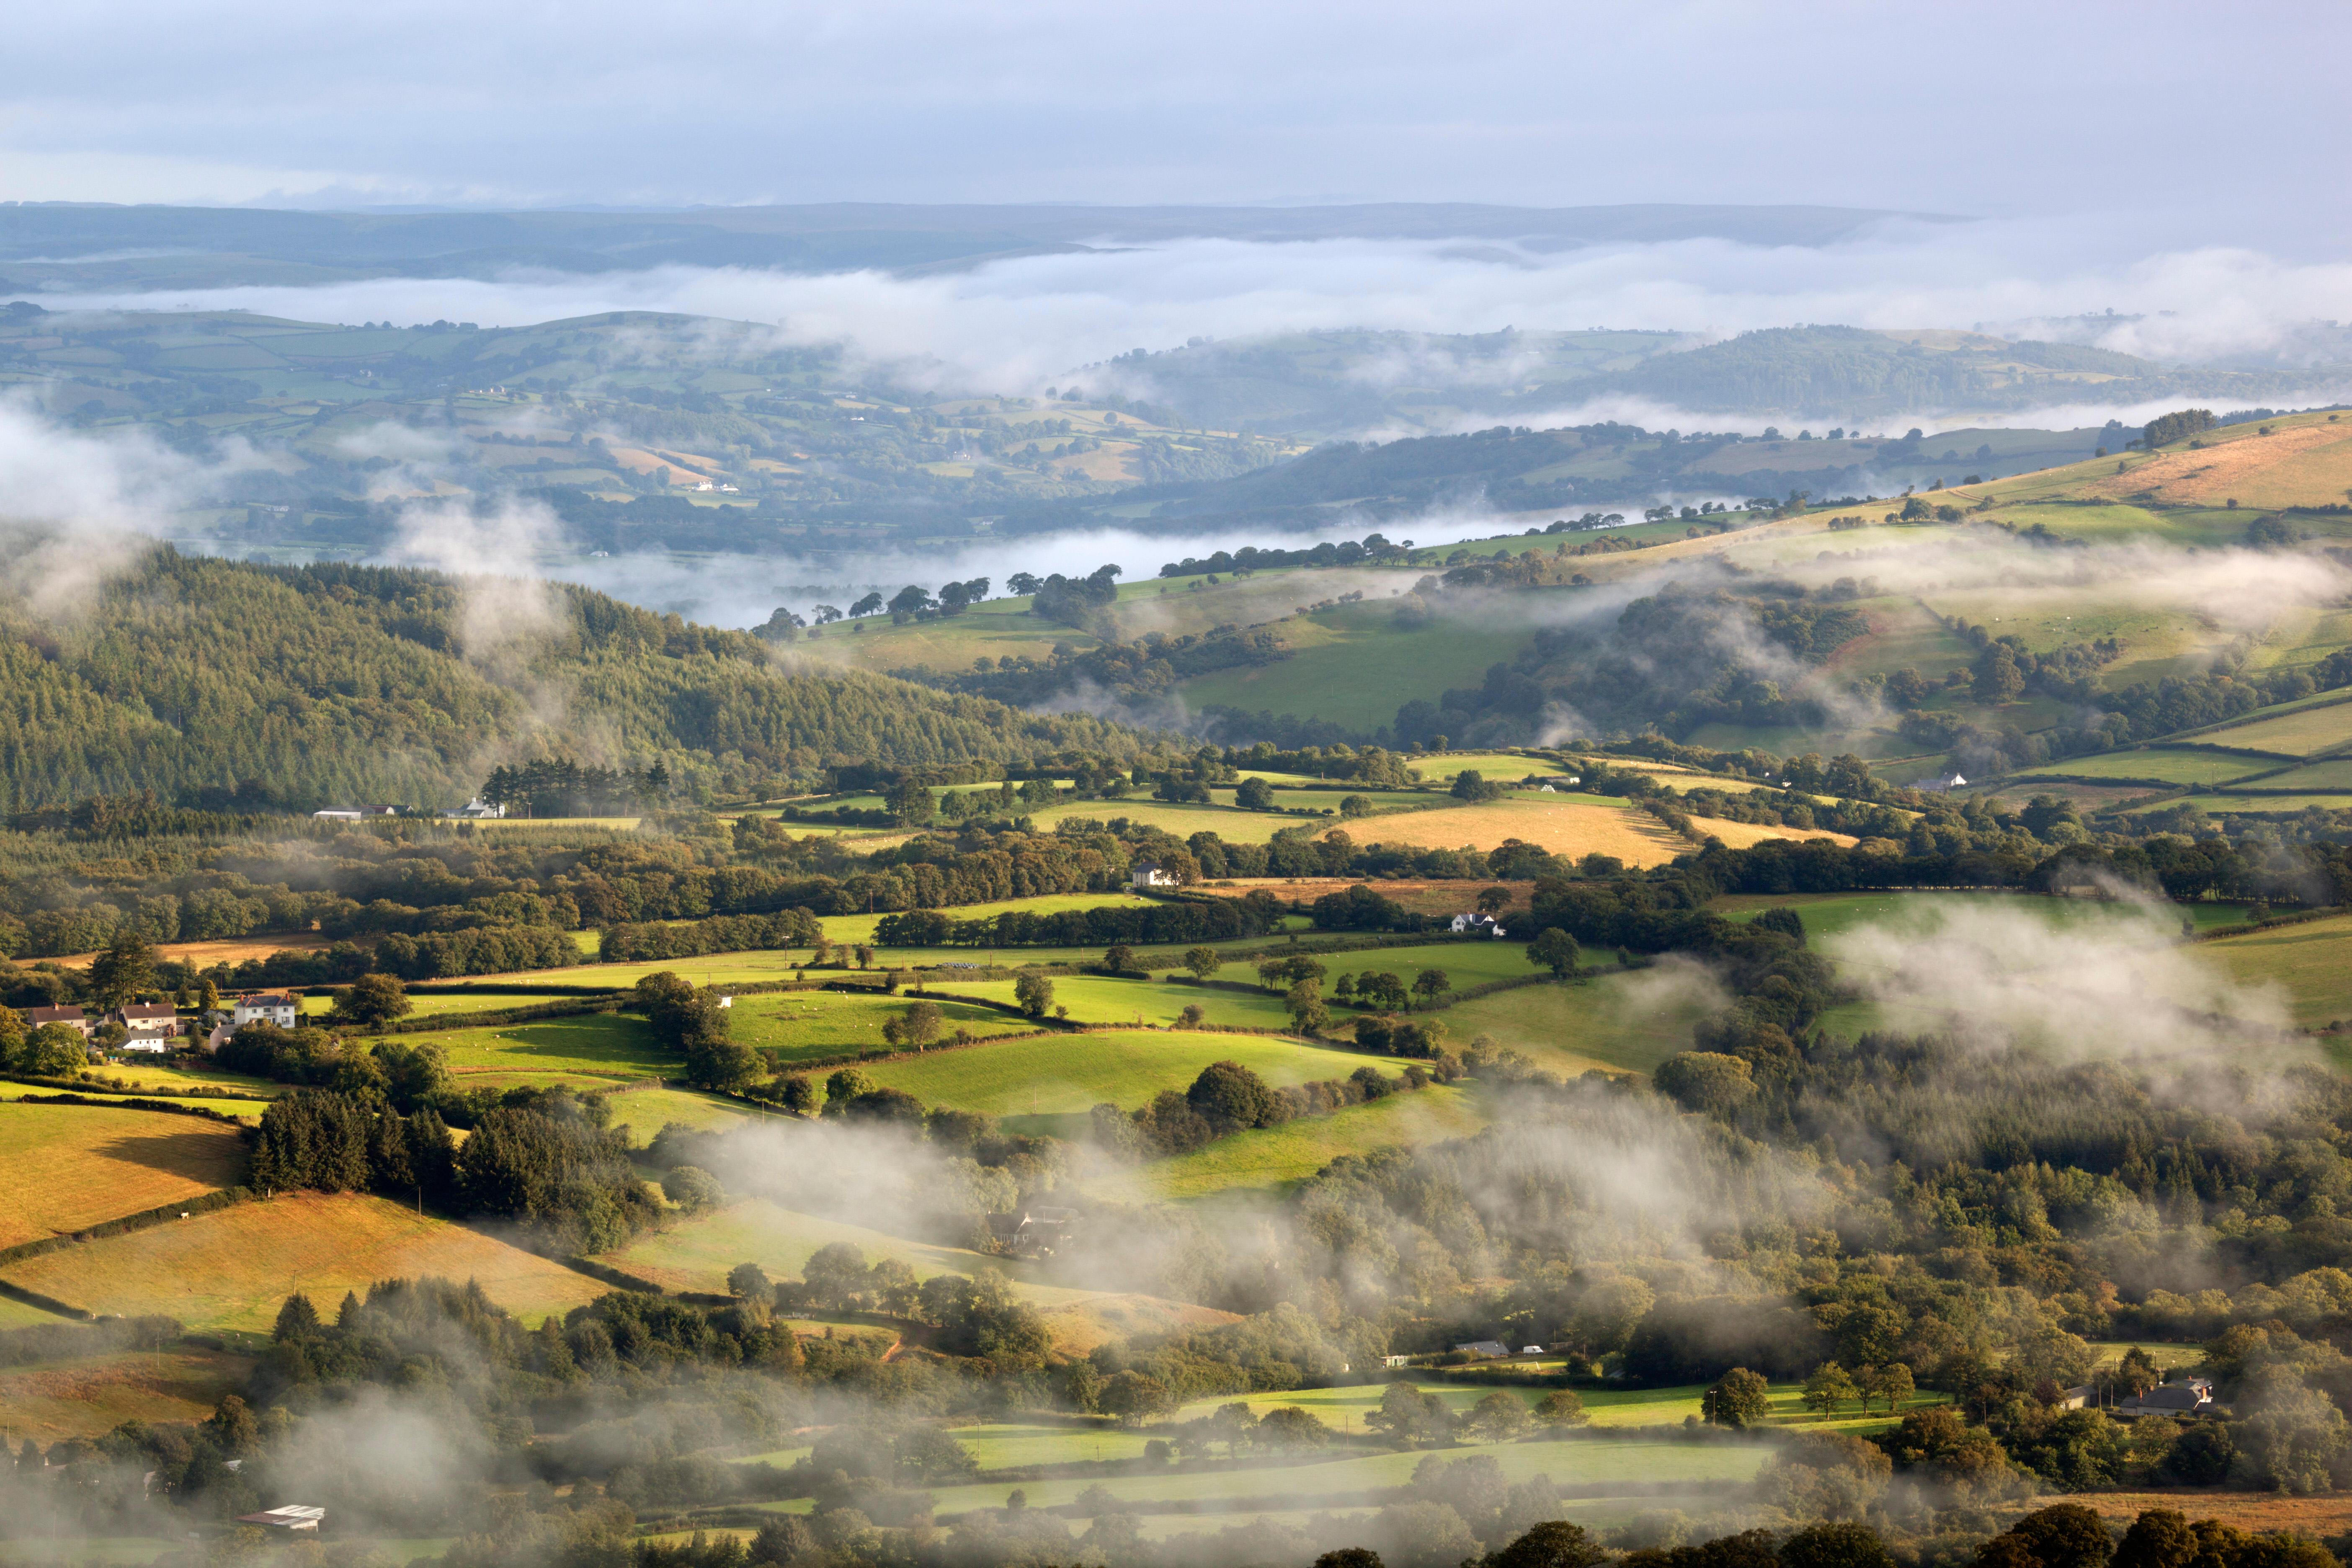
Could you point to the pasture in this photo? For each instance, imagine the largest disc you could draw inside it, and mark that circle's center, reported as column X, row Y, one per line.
column 2312, row 959
column 1102, row 1000
column 71, row 1166
column 857, row 928
column 2331, row 776
column 1059, row 1075
column 1354, row 664
column 1276, row 1157
column 645, row 1112
column 244, row 1110
column 611, row 1045
column 233, row 1268
column 1614, row 1023
column 798, row 1026
column 2163, row 765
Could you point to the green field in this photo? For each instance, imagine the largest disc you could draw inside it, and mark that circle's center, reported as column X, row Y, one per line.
column 1440, row 767
column 645, row 1112
column 2313, row 960
column 1353, row 665
column 1061, row 1074
column 1614, row 1022
column 614, row 1045
column 1277, row 1156
column 804, row 1025
column 2166, row 765
column 2295, row 730
column 2335, row 775
column 245, row 1110
column 854, row 929
column 1093, row 1000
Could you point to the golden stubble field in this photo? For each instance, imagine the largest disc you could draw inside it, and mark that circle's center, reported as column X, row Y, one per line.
column 2300, row 466
column 234, row 1268
column 71, row 1166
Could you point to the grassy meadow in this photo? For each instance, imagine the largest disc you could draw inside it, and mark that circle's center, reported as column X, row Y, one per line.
column 1059, row 1075
column 2312, row 959
column 88, row 1397
column 1276, row 1157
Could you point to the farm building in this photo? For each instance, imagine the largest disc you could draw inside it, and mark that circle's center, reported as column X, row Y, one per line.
column 1148, row 874
column 1939, row 784
column 1477, row 924
column 291, row 1516
column 37, row 1016
column 2189, row 1396
column 1485, row 1347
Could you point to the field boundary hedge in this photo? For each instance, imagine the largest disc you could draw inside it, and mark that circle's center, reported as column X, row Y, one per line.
column 203, row 1202
column 132, row 1103
column 76, row 1086
column 2296, row 917
column 46, row 1303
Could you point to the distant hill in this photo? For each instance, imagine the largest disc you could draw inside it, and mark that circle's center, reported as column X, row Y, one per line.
column 1849, row 373
column 77, row 246
column 311, row 685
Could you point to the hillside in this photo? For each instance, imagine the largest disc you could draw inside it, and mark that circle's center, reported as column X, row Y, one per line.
column 217, row 682
column 1849, row 373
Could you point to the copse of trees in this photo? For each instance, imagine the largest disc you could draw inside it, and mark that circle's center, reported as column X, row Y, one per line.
column 690, row 1023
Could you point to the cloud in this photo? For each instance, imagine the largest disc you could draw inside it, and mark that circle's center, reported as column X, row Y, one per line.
column 1018, row 325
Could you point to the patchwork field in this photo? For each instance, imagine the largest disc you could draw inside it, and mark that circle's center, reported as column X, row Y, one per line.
column 1145, row 1002
column 70, row 1166
column 1352, row 665
column 234, row 1268
column 2319, row 725
column 645, row 1112
column 2301, row 464
column 2335, row 775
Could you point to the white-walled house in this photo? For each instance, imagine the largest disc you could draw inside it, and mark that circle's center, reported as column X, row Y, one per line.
column 267, row 1008
column 1148, row 874
column 1477, row 924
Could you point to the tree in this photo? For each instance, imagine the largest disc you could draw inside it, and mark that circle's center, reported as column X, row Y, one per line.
column 1493, row 901
column 1410, row 1416
column 748, row 1281
column 1894, row 1385
column 1289, row 1426
column 842, row 1086
column 910, row 802
column 1559, row 1410
column 1272, row 973
column 1133, row 1399
column 1035, row 992
column 1119, row 959
column 1203, row 962
column 1193, row 1016
column 1230, row 1097
column 126, row 968
column 1470, row 786
column 1555, row 950
column 797, row 1093
column 56, row 1050
column 1307, row 1014
column 297, row 1320
column 372, row 1000
column 1430, row 984
column 2292, row 1439
column 1739, row 1398
column 1350, row 1557
column 693, row 1189
column 922, row 1025
column 1556, row 1544
column 2137, row 1373
column 1827, row 1388
column 1499, row 1417
column 1254, row 795
column 1843, row 1545
column 1355, row 806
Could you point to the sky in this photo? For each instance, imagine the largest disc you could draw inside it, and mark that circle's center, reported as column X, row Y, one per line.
column 2194, row 124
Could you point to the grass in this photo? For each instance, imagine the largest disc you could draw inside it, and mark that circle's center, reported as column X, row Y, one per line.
column 799, row 1026
column 2161, row 766
column 1834, row 914
column 244, row 1110
column 1276, row 1157
column 2312, row 961
column 645, row 1112
column 234, row 1268
column 1615, row 1023
column 1139, row 1002
column 73, row 1166
column 88, row 1397
column 854, row 929
column 1062, row 1074
column 2329, row 775
column 607, row 1044
column 1440, row 767
column 1353, row 665
column 136, row 1073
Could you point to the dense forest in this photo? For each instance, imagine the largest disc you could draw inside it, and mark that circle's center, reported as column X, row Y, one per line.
column 230, row 686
